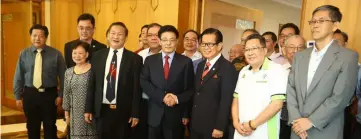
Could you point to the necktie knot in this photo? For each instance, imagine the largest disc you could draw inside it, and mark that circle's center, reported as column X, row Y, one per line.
column 115, row 51
column 166, row 57
column 39, row 50
column 208, row 64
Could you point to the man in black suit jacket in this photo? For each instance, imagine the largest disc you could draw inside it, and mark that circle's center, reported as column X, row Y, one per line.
column 114, row 89
column 168, row 79
column 86, row 26
column 215, row 82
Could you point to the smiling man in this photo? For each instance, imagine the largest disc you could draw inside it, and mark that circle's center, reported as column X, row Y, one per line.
column 114, row 92
column 322, row 81
column 168, row 79
column 215, row 82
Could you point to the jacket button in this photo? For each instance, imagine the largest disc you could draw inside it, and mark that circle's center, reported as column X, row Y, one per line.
column 198, row 94
column 195, row 106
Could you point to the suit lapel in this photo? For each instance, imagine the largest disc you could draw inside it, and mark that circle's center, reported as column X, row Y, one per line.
column 324, row 65
column 305, row 60
column 199, row 74
column 159, row 67
column 123, row 66
column 102, row 63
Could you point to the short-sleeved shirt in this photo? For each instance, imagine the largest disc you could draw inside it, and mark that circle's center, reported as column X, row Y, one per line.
column 255, row 91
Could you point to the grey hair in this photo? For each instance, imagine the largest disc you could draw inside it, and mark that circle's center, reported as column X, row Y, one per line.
column 294, row 36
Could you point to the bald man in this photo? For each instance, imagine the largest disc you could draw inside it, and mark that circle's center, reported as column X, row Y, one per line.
column 235, row 51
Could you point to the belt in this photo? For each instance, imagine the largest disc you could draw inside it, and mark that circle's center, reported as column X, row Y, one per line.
column 111, row 106
column 42, row 89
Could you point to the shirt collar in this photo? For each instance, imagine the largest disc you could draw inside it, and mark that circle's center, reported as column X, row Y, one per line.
column 196, row 54
column 264, row 65
column 214, row 60
column 171, row 55
column 119, row 50
column 34, row 49
column 149, row 52
column 274, row 55
column 323, row 51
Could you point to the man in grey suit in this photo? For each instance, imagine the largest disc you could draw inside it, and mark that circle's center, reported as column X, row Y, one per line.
column 322, row 81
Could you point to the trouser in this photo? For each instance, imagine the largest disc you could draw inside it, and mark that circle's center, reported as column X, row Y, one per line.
column 357, row 132
column 40, row 107
column 285, row 130
column 141, row 130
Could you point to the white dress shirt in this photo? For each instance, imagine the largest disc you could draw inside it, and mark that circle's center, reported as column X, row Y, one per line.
column 107, row 66
column 213, row 61
column 278, row 58
column 197, row 55
column 315, row 59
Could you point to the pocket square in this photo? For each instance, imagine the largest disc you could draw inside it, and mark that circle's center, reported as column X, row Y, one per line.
column 215, row 76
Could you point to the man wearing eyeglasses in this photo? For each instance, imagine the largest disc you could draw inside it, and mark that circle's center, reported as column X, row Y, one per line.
column 259, row 94
column 322, row 81
column 86, row 26
column 215, row 82
column 190, row 42
column 292, row 45
column 286, row 30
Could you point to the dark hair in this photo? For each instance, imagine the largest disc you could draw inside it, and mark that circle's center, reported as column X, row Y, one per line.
column 191, row 30
column 251, row 30
column 273, row 35
column 144, row 26
column 344, row 35
column 261, row 39
column 154, row 25
column 168, row 28
column 118, row 24
column 40, row 27
column 216, row 32
column 290, row 25
column 87, row 16
column 83, row 45
column 333, row 12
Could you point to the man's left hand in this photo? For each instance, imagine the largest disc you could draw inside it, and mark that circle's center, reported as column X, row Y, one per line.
column 301, row 125
column 58, row 101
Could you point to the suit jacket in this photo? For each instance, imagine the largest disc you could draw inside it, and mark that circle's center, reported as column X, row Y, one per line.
column 68, row 49
column 213, row 98
column 329, row 93
column 180, row 82
column 128, row 93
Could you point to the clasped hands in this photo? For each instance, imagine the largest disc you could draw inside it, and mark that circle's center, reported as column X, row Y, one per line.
column 243, row 128
column 170, row 99
column 300, row 127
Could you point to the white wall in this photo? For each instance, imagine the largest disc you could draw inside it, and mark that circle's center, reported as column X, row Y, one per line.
column 273, row 13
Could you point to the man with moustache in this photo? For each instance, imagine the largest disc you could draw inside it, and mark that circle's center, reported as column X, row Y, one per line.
column 169, row 91
column 322, row 81
column 214, row 83
column 114, row 90
column 38, row 72
column 86, row 27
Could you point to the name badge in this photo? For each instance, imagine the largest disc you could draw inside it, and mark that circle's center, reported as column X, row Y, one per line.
column 262, row 81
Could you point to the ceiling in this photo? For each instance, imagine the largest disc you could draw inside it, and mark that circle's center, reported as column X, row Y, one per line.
column 293, row 3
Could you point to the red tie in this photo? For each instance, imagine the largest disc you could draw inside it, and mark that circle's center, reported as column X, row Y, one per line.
column 206, row 70
column 166, row 67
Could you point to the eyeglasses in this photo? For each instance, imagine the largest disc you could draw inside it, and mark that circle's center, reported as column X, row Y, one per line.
column 313, row 22
column 209, row 45
column 168, row 41
column 233, row 52
column 252, row 49
column 297, row 48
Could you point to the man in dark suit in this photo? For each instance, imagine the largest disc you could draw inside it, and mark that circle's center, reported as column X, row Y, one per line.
column 114, row 90
column 168, row 79
column 215, row 82
column 86, row 26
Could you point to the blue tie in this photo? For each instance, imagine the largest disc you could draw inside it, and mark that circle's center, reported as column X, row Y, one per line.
column 111, row 78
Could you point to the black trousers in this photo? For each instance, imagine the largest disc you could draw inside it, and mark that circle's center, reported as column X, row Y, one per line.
column 357, row 132
column 141, row 130
column 40, row 107
column 164, row 132
column 285, row 130
column 198, row 135
column 349, row 118
column 111, row 124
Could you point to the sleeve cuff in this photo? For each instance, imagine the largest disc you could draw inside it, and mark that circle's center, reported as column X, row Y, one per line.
column 278, row 97
column 235, row 95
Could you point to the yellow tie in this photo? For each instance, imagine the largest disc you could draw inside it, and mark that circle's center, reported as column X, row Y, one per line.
column 38, row 69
